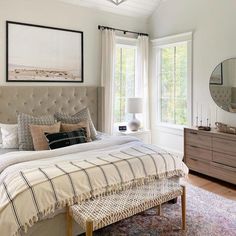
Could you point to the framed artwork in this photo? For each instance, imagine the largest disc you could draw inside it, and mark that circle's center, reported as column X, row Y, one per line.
column 217, row 75
column 36, row 53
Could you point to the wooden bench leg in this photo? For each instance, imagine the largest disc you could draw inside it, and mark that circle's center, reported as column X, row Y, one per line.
column 159, row 210
column 183, row 206
column 69, row 222
column 89, row 228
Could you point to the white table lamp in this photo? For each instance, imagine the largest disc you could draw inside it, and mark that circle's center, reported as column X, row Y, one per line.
column 134, row 106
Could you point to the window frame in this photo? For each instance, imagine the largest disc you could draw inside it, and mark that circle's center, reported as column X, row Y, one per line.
column 159, row 44
column 125, row 43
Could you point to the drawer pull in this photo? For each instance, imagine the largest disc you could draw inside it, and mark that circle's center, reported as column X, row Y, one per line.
column 199, row 160
column 193, row 132
column 193, row 146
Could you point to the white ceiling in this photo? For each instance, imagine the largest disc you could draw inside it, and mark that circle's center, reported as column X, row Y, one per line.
column 135, row 8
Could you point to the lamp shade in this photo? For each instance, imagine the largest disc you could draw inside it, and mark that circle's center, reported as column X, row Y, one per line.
column 134, row 105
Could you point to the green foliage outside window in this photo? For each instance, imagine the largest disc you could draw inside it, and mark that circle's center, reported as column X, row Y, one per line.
column 124, row 80
column 173, row 84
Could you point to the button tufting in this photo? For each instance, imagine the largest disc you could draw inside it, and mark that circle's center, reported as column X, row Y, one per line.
column 37, row 100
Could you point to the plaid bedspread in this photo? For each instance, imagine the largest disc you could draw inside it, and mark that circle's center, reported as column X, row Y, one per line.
column 38, row 188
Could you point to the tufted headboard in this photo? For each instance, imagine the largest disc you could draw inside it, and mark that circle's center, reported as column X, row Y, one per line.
column 41, row 100
column 221, row 95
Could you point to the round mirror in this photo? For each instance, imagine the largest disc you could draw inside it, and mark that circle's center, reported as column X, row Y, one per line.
column 223, row 85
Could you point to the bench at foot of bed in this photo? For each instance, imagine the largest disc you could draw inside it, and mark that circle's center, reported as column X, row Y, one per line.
column 103, row 211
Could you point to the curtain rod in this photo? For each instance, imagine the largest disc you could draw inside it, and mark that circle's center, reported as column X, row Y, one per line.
column 124, row 31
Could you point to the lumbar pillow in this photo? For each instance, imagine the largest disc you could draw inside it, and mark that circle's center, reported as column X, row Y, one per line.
column 72, row 127
column 39, row 139
column 64, row 139
column 82, row 115
column 9, row 135
column 24, row 135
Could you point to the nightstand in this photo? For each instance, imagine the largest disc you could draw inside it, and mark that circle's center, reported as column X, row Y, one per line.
column 143, row 135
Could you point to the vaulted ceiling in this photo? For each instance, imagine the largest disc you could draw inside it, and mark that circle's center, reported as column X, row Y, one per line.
column 134, row 8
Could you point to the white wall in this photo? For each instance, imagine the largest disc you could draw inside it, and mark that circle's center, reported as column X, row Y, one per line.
column 56, row 14
column 213, row 23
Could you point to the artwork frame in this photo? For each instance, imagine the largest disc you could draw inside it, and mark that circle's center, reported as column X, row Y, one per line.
column 217, row 75
column 69, row 73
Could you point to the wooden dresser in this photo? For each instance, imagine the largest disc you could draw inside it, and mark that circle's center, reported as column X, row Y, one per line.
column 211, row 153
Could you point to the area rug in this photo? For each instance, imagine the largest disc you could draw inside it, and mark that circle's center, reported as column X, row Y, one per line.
column 207, row 215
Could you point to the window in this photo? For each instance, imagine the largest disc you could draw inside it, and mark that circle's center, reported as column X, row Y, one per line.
column 174, row 82
column 125, row 67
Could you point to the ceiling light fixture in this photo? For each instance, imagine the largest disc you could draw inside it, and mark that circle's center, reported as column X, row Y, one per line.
column 117, row 2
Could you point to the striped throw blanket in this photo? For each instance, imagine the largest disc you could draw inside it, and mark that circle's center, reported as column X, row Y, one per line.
column 35, row 184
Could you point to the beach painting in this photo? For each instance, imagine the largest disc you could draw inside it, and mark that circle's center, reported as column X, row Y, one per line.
column 43, row 54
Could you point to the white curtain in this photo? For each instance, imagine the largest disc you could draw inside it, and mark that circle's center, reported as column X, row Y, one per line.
column 107, row 77
column 141, row 88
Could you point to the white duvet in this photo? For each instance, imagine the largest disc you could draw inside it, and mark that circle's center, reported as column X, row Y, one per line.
column 50, row 180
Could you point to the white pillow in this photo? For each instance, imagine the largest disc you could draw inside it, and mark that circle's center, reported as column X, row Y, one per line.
column 9, row 136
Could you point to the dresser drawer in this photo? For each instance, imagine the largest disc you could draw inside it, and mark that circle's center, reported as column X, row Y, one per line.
column 198, row 153
column 212, row 169
column 224, row 159
column 197, row 165
column 224, row 146
column 198, row 139
column 224, row 172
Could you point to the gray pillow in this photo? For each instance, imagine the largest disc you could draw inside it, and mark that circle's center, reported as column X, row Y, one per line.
column 24, row 135
column 83, row 114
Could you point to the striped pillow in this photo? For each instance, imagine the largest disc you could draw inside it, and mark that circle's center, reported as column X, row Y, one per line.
column 72, row 127
column 64, row 139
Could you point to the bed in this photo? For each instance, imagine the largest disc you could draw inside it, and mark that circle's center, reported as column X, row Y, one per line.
column 48, row 180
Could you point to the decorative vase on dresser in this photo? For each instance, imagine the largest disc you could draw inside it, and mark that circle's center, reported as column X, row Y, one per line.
column 211, row 153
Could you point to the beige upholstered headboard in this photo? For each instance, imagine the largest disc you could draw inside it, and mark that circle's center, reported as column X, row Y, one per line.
column 41, row 100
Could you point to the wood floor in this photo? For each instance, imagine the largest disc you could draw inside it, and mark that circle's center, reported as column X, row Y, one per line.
column 218, row 187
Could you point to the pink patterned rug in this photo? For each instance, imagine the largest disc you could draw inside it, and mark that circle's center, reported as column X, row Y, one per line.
column 207, row 215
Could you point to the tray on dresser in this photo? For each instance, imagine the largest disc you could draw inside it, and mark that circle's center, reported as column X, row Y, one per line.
column 224, row 128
